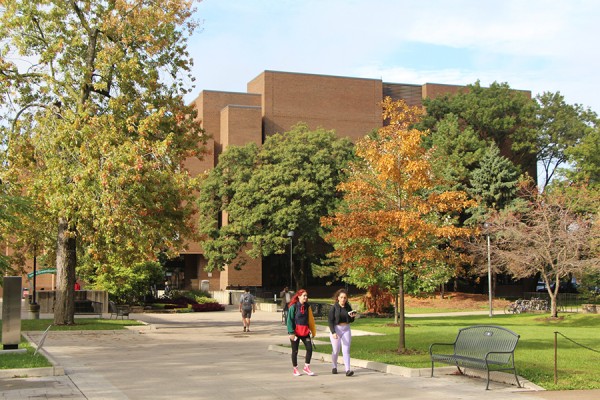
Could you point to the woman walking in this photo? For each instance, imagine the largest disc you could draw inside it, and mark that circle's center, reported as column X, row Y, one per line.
column 300, row 326
column 340, row 317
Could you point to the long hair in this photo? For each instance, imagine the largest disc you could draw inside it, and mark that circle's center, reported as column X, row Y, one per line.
column 337, row 294
column 294, row 299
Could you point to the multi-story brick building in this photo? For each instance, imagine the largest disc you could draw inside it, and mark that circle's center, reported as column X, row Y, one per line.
column 274, row 102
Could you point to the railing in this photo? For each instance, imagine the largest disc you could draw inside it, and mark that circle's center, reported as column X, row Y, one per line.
column 565, row 302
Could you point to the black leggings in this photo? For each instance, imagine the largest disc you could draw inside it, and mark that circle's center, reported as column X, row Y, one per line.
column 296, row 343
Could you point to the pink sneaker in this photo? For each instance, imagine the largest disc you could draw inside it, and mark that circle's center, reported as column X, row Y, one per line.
column 307, row 370
column 296, row 372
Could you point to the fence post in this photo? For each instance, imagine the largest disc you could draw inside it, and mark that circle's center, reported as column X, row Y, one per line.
column 555, row 357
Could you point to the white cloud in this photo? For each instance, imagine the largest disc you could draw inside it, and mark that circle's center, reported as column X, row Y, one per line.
column 541, row 45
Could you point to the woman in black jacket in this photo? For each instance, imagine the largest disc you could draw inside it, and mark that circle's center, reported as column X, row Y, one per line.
column 340, row 317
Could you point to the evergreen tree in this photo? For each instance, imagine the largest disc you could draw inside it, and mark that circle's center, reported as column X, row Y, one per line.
column 493, row 184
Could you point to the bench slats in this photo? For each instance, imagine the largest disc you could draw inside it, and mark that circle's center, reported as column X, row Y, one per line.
column 479, row 347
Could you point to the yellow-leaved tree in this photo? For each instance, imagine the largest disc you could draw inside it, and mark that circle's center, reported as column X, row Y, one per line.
column 395, row 228
column 95, row 133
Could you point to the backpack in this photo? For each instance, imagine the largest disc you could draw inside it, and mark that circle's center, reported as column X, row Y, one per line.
column 247, row 301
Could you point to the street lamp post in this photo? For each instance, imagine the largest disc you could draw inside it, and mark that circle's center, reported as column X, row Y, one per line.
column 489, row 262
column 291, row 236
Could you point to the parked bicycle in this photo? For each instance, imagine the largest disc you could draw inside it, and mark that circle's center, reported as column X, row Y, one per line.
column 522, row 306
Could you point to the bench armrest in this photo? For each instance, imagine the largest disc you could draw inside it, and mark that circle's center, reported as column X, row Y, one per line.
column 439, row 344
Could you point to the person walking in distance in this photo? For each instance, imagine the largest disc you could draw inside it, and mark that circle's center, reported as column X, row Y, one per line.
column 247, row 306
column 300, row 326
column 286, row 297
column 340, row 317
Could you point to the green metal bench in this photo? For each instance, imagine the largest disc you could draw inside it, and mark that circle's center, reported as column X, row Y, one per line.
column 483, row 347
column 118, row 310
column 88, row 307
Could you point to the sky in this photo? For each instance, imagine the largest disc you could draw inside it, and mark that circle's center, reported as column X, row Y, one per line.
column 536, row 45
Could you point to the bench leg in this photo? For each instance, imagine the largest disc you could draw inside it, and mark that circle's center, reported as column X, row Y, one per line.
column 431, row 368
column 516, row 378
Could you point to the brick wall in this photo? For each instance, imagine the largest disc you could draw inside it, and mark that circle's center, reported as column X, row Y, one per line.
column 350, row 106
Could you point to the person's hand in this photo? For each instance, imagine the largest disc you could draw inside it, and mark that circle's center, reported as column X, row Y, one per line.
column 334, row 335
column 293, row 338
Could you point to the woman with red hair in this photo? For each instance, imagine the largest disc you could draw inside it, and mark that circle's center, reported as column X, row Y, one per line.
column 300, row 326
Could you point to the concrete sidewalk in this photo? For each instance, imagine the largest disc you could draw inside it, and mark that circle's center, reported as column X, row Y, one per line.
column 207, row 356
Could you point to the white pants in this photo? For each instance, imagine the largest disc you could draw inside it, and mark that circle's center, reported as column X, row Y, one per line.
column 344, row 339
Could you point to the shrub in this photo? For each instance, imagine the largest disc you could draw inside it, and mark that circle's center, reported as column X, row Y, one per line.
column 127, row 285
column 208, row 307
column 204, row 300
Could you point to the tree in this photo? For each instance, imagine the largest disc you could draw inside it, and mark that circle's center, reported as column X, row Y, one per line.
column 288, row 184
column 464, row 126
column 97, row 129
column 493, row 184
column 556, row 237
column 561, row 127
column 477, row 116
column 129, row 284
column 11, row 205
column 585, row 157
column 457, row 152
column 393, row 225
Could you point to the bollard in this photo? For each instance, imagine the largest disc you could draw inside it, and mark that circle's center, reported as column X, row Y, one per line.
column 11, row 312
column 34, row 311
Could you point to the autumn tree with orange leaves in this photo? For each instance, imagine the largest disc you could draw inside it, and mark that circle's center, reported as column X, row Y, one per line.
column 395, row 226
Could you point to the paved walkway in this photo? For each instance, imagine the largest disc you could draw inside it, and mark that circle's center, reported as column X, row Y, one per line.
column 207, row 356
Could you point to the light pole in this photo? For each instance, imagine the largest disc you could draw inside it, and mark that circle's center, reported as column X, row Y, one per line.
column 291, row 236
column 489, row 260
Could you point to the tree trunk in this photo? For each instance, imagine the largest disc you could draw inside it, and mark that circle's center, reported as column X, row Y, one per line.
column 401, row 339
column 553, row 305
column 396, row 311
column 66, row 260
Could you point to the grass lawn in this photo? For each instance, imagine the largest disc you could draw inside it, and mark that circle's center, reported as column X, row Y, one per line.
column 28, row 360
column 578, row 367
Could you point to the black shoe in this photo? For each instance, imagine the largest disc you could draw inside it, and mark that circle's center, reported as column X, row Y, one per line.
column 244, row 329
column 334, row 371
column 349, row 373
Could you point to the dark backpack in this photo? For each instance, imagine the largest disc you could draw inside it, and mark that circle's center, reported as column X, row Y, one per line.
column 247, row 301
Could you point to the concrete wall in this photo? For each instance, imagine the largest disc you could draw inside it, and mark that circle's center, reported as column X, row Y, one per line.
column 46, row 299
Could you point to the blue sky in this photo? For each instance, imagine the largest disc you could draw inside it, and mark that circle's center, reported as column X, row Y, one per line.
column 538, row 45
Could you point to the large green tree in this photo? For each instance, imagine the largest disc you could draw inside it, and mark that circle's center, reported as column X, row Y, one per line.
column 564, row 132
column 262, row 193
column 585, row 159
column 96, row 127
column 463, row 125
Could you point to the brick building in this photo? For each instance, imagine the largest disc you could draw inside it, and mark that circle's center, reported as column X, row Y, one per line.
column 274, row 102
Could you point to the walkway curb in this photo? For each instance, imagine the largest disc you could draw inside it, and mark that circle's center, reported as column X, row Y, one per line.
column 500, row 377
column 55, row 370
